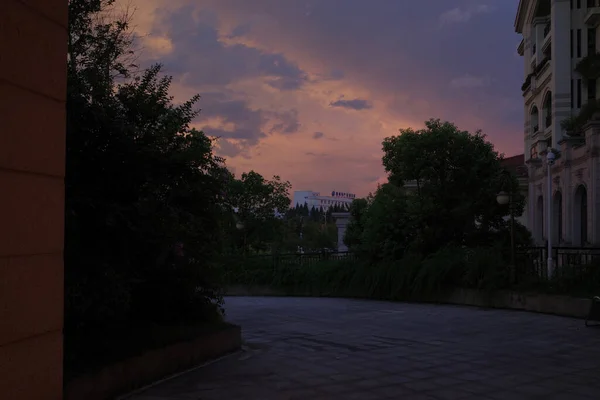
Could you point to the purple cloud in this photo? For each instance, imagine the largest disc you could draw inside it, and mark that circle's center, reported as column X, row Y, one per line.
column 355, row 104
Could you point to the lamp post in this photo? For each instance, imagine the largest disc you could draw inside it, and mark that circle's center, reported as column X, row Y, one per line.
column 550, row 160
column 504, row 198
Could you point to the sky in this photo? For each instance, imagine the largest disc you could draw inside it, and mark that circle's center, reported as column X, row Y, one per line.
column 308, row 89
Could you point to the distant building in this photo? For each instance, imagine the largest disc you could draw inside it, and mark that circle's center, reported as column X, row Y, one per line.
column 316, row 200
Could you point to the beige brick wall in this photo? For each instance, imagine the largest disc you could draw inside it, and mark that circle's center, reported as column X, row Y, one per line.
column 33, row 40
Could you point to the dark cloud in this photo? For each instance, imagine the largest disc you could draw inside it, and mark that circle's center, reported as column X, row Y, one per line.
column 318, row 135
column 226, row 148
column 313, row 154
column 395, row 49
column 284, row 122
column 399, row 49
column 203, row 59
column 355, row 104
column 248, row 125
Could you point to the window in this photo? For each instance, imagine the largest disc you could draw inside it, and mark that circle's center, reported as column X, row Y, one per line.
column 578, row 4
column 591, row 89
column 591, row 3
column 571, row 3
column 578, row 93
column 571, row 43
column 591, row 41
column 533, row 154
column 578, row 43
column 572, row 95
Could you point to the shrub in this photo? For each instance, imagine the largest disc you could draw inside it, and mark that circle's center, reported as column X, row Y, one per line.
column 412, row 277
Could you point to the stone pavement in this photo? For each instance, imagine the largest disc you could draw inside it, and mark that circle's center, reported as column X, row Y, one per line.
column 318, row 348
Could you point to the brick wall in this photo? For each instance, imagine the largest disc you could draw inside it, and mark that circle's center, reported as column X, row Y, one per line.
column 33, row 39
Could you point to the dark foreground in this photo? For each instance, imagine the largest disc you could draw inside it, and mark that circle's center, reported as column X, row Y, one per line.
column 318, row 348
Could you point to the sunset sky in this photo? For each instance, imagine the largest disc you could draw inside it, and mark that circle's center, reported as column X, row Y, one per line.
column 308, row 89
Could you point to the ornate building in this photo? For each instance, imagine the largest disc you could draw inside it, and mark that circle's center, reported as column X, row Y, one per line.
column 559, row 48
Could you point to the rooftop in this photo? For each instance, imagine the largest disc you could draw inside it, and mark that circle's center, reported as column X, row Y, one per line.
column 516, row 164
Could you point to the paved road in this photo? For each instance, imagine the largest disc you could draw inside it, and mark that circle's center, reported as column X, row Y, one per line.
column 313, row 349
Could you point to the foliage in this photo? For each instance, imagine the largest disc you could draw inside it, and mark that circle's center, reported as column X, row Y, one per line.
column 456, row 176
column 413, row 277
column 139, row 181
column 257, row 203
column 575, row 124
column 410, row 278
column 384, row 229
column 257, row 198
column 354, row 230
column 312, row 233
column 589, row 66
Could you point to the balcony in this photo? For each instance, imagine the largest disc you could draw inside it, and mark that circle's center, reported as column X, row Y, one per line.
column 542, row 72
column 527, row 84
column 592, row 17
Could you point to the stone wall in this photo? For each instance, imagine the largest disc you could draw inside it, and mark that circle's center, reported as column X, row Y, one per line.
column 33, row 49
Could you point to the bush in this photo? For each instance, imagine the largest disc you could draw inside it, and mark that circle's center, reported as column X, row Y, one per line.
column 412, row 277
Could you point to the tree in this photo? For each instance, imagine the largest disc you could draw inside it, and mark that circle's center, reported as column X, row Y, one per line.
column 456, row 175
column 353, row 237
column 380, row 228
column 139, row 182
column 257, row 201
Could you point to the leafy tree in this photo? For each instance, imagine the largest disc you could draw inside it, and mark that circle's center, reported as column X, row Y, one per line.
column 140, row 187
column 355, row 229
column 257, row 201
column 456, row 177
column 380, row 227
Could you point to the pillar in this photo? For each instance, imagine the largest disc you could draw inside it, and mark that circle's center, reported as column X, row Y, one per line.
column 341, row 221
column 561, row 58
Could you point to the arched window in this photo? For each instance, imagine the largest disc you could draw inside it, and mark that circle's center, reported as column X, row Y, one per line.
column 534, row 119
column 548, row 109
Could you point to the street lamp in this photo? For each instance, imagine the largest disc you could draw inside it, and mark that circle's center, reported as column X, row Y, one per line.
column 550, row 159
column 504, row 198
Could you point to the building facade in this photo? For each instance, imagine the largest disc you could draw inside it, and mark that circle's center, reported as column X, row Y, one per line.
column 559, row 45
column 33, row 89
column 316, row 200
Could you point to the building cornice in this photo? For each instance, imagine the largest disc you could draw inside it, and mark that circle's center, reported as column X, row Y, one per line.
column 521, row 48
column 521, row 15
column 525, row 9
